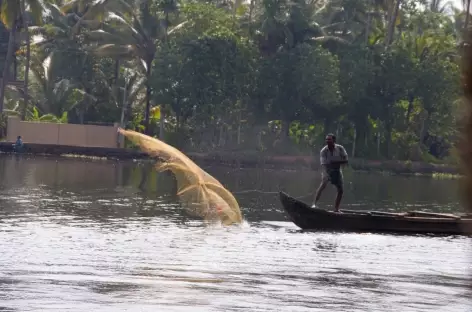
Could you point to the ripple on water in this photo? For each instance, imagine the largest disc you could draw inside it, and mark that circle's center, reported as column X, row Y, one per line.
column 66, row 251
column 261, row 268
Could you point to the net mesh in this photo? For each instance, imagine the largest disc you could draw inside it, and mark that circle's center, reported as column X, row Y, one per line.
column 199, row 192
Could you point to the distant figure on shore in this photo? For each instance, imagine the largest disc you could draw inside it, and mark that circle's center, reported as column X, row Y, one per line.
column 18, row 146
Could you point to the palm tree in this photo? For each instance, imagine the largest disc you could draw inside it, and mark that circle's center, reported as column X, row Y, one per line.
column 8, row 16
column 466, row 3
column 300, row 25
column 52, row 95
column 12, row 15
column 133, row 37
column 94, row 11
column 438, row 6
column 28, row 56
column 393, row 11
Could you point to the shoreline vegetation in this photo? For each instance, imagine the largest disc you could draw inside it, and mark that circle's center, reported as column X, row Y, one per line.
column 273, row 76
column 246, row 160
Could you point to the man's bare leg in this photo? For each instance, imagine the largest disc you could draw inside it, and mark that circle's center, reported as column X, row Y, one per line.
column 337, row 202
column 319, row 191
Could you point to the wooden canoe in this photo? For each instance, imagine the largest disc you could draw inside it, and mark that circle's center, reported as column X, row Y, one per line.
column 415, row 222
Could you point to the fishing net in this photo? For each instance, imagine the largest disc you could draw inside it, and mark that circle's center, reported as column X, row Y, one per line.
column 199, row 192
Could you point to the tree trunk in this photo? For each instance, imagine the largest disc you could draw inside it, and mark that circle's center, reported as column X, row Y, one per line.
column 467, row 16
column 15, row 67
column 285, row 131
column 388, row 137
column 6, row 68
column 391, row 24
column 424, row 127
column 251, row 10
column 367, row 29
column 27, row 65
column 327, row 125
column 166, row 31
column 369, row 23
column 117, row 72
column 84, row 106
column 360, row 136
column 127, row 112
column 353, row 153
column 123, row 107
column 338, row 130
column 260, row 145
column 409, row 110
column 123, row 113
column 148, row 97
column 238, row 137
column 82, row 113
column 378, row 144
column 178, row 121
column 161, row 125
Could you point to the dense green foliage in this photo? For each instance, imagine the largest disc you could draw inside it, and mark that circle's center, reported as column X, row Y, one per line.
column 268, row 75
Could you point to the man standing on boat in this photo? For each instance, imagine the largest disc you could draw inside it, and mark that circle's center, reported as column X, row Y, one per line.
column 332, row 156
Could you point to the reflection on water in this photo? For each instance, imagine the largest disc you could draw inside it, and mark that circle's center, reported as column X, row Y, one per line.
column 80, row 235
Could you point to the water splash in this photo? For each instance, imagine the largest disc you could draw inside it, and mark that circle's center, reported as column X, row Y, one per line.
column 198, row 191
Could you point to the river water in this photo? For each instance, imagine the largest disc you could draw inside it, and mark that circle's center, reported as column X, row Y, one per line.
column 93, row 235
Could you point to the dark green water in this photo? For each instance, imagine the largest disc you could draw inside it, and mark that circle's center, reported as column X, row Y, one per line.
column 79, row 235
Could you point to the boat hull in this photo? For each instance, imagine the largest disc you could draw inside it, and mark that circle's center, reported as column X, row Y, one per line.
column 315, row 219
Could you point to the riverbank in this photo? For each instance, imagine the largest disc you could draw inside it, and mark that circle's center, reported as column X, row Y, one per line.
column 240, row 159
column 311, row 162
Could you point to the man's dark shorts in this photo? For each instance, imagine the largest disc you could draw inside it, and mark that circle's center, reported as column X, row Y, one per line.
column 335, row 177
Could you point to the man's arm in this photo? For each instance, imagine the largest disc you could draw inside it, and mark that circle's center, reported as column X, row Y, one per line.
column 323, row 158
column 343, row 155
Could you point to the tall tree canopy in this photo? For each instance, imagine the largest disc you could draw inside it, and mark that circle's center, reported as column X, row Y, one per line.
column 259, row 75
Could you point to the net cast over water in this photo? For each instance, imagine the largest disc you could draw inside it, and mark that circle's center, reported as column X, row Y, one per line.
column 198, row 191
